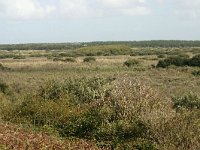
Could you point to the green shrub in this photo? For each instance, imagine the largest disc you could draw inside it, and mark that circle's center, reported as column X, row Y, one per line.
column 161, row 56
column 196, row 73
column 86, row 90
column 188, row 101
column 195, row 61
column 103, row 50
column 69, row 60
column 89, row 59
column 131, row 62
column 5, row 56
column 52, row 90
column 57, row 59
column 3, row 87
column 3, row 67
column 19, row 57
column 177, row 61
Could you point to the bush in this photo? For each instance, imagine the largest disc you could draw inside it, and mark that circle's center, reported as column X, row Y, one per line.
column 4, row 88
column 69, row 60
column 103, row 50
column 177, row 61
column 195, row 61
column 86, row 90
column 188, row 101
column 161, row 56
column 50, row 91
column 89, row 59
column 196, row 73
column 19, row 57
column 57, row 59
column 131, row 62
column 3, row 67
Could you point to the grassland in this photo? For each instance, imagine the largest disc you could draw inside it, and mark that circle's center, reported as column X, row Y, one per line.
column 99, row 104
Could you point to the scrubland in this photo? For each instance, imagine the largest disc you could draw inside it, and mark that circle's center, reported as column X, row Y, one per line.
column 100, row 97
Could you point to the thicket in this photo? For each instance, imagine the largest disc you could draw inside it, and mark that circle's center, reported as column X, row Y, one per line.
column 131, row 62
column 189, row 101
column 89, row 59
column 68, row 59
column 196, row 73
column 179, row 61
column 72, row 46
column 103, row 50
column 116, row 113
column 3, row 68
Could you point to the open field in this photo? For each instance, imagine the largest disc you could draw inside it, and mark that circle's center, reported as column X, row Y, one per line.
column 95, row 100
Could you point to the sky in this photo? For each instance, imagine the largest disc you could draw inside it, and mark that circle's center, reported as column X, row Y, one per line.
column 58, row 21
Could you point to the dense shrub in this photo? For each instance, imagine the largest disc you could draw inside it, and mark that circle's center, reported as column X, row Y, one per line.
column 2, row 67
column 5, row 56
column 69, row 59
column 50, row 91
column 3, row 87
column 131, row 62
column 57, row 59
column 103, row 50
column 118, row 114
column 196, row 73
column 177, row 61
column 89, row 59
column 188, row 101
column 86, row 90
column 19, row 57
column 195, row 61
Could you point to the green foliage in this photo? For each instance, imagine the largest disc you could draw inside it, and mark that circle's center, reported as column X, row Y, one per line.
column 50, row 91
column 177, row 61
column 196, row 73
column 188, row 101
column 103, row 50
column 89, row 59
column 161, row 56
column 19, row 57
column 3, row 67
column 131, row 62
column 195, row 61
column 69, row 59
column 86, row 90
column 57, row 59
column 4, row 88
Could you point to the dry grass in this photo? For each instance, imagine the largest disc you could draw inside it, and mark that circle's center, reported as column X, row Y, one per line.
column 13, row 137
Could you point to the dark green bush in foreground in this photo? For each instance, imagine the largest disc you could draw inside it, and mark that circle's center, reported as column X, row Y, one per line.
column 117, row 114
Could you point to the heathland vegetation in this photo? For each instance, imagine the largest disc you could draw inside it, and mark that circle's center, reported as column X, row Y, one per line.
column 100, row 95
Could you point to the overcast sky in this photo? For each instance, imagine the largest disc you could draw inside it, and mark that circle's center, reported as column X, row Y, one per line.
column 30, row 21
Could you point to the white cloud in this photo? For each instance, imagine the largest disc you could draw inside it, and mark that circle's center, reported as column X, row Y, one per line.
column 24, row 9
column 127, row 7
column 187, row 8
column 34, row 9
